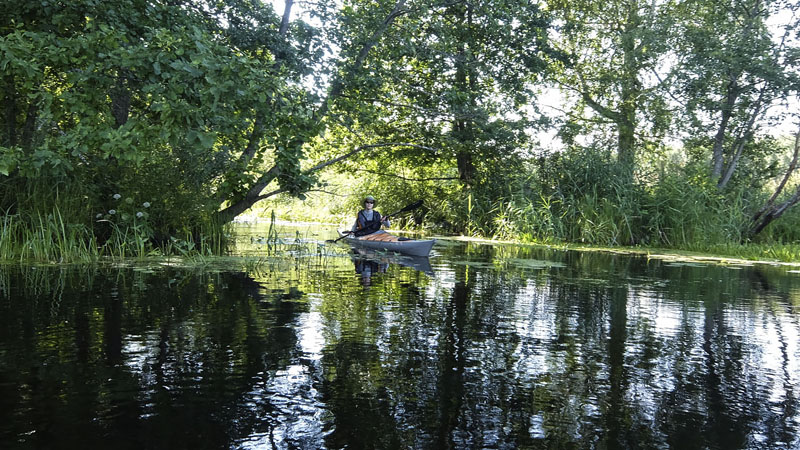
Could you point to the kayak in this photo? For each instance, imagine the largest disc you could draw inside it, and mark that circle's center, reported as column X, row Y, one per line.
column 381, row 240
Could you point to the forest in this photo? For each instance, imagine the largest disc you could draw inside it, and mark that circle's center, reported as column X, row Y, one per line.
column 140, row 127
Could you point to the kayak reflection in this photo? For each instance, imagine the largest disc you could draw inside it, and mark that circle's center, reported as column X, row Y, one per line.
column 367, row 263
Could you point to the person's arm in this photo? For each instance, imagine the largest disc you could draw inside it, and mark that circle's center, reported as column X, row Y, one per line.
column 356, row 224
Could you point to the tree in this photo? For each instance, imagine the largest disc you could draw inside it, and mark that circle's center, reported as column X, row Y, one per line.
column 199, row 103
column 130, row 95
column 422, row 77
column 734, row 71
column 773, row 209
column 457, row 76
column 286, row 168
column 611, row 50
column 742, row 61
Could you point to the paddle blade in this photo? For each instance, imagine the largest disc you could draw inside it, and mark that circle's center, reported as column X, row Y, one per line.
column 410, row 207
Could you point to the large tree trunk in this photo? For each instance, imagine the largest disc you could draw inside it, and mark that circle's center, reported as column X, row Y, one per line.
column 463, row 125
column 626, row 153
column 718, row 150
column 631, row 89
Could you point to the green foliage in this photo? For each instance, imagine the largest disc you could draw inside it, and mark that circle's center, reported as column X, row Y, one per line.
column 200, row 109
column 741, row 60
column 453, row 77
column 150, row 99
column 607, row 53
column 585, row 196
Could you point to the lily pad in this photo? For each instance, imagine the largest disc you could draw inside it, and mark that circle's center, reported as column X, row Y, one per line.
column 687, row 264
column 476, row 264
column 533, row 263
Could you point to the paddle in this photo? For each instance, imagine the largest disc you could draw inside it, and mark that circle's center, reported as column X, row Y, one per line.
column 333, row 241
column 407, row 208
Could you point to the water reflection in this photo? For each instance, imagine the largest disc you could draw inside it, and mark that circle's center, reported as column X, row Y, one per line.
column 368, row 267
column 489, row 347
column 369, row 263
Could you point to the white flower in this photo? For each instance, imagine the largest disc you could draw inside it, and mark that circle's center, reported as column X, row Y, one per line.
column 146, row 204
column 117, row 196
column 98, row 216
column 140, row 214
column 112, row 211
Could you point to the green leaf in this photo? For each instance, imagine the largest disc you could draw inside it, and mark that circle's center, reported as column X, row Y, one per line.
column 207, row 139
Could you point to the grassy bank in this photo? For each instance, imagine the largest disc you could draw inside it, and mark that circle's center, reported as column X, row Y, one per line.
column 51, row 237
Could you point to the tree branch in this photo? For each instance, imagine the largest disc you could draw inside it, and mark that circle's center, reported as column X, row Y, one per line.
column 270, row 194
column 407, row 179
column 253, row 194
column 253, row 141
column 359, row 149
column 745, row 133
column 287, row 12
column 789, row 171
column 602, row 110
column 337, row 87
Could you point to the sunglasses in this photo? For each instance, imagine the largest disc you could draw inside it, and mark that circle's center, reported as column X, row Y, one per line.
column 369, row 201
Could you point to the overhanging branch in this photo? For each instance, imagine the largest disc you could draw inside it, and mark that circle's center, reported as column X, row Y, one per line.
column 406, row 178
column 361, row 148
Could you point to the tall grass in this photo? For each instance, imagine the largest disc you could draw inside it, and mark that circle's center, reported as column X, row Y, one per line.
column 50, row 238
column 60, row 225
column 687, row 218
column 46, row 238
column 45, row 221
column 583, row 197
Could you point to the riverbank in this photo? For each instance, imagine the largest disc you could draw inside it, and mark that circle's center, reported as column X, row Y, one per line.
column 59, row 246
column 737, row 255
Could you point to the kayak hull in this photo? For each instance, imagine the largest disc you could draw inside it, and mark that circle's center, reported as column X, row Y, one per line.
column 382, row 240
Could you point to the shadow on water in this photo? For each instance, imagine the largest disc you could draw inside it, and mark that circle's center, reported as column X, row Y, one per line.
column 479, row 347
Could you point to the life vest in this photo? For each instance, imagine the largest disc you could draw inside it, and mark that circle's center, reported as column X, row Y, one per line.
column 364, row 226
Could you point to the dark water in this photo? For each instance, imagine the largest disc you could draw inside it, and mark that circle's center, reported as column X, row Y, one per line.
column 489, row 347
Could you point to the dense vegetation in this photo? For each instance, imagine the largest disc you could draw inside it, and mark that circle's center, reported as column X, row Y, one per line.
column 137, row 126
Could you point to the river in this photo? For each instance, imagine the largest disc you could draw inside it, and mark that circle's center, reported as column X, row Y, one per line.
column 479, row 346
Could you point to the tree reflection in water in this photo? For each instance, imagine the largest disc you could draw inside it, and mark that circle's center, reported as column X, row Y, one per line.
column 495, row 347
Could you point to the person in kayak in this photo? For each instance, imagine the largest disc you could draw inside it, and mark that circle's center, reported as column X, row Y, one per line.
column 368, row 220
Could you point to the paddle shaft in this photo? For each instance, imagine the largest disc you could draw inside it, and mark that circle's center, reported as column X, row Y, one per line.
column 341, row 237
